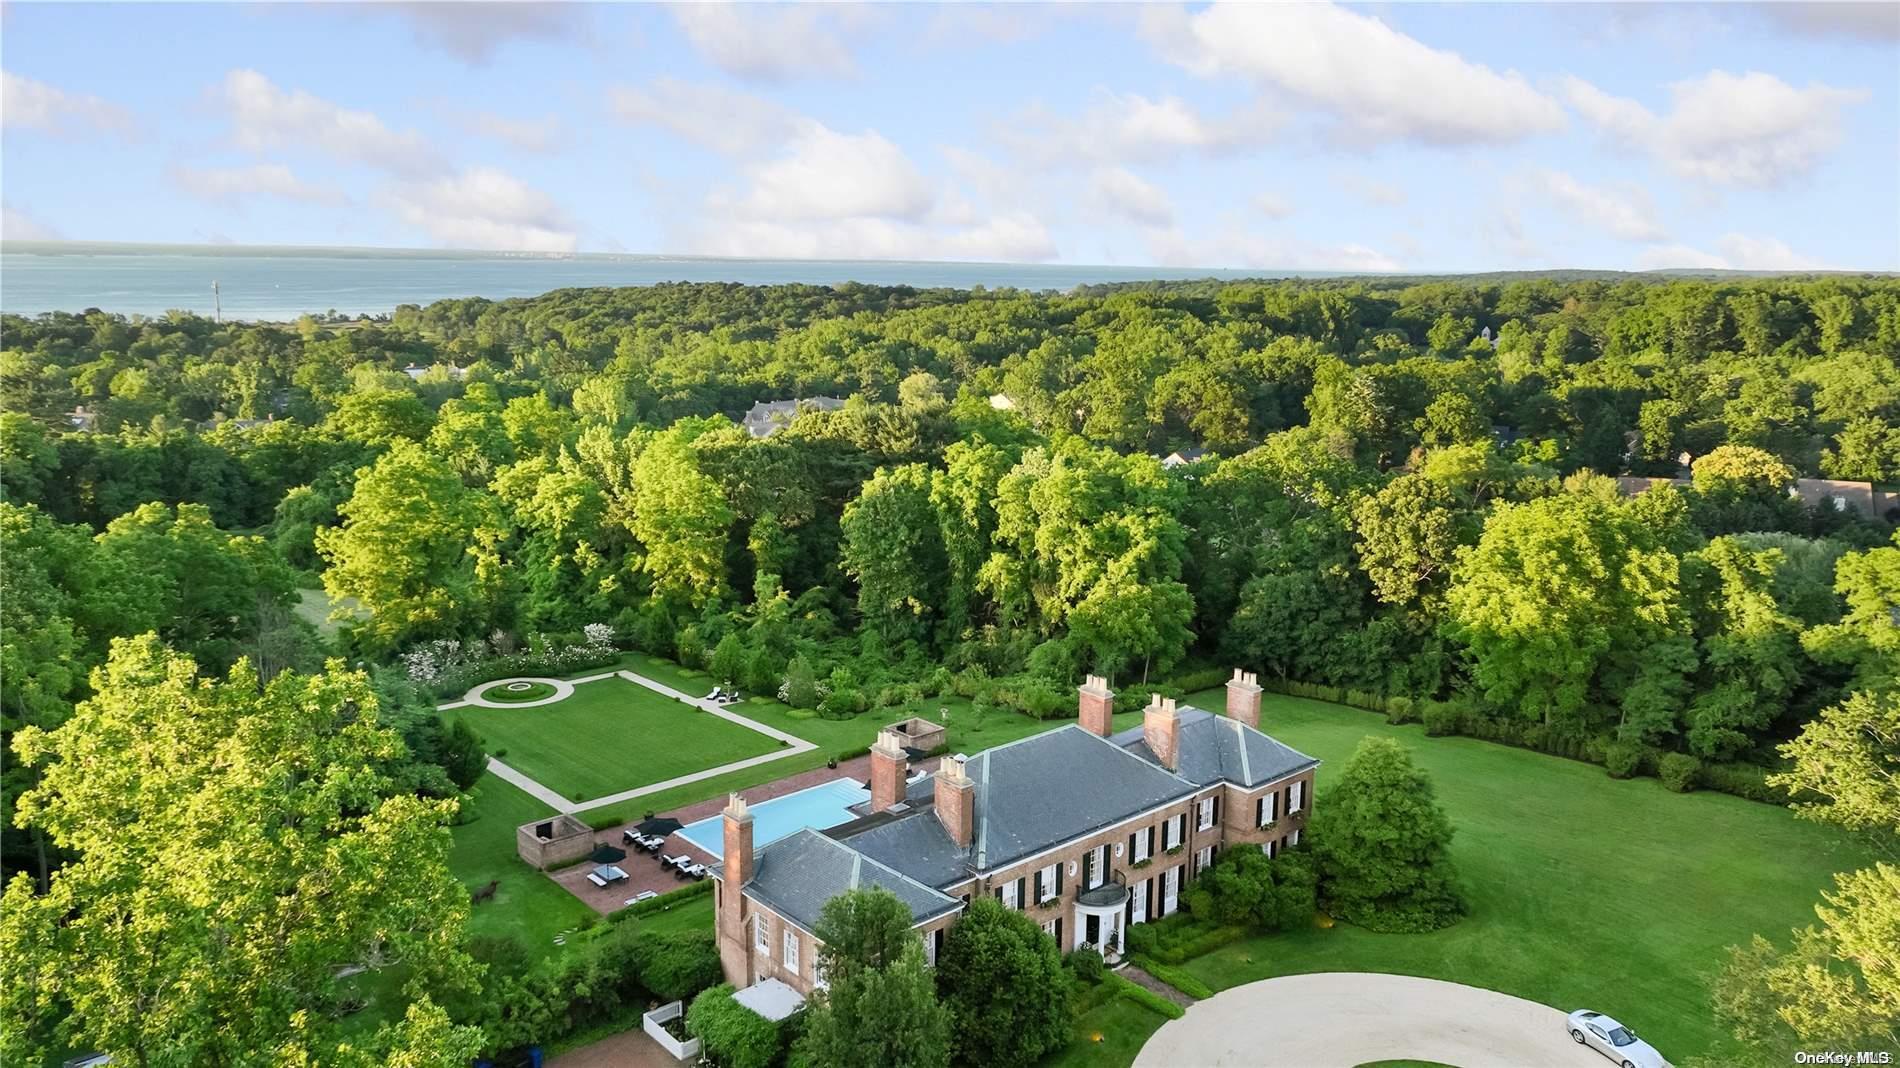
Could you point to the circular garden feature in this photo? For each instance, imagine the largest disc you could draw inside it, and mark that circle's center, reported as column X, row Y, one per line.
column 517, row 692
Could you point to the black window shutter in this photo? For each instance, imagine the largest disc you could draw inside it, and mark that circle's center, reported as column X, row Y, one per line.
column 1059, row 867
column 1216, row 810
column 1021, row 885
column 1151, row 841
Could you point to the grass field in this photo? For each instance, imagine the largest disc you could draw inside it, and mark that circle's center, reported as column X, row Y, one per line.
column 1585, row 891
column 611, row 735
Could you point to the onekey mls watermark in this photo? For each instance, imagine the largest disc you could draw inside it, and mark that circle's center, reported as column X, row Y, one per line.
column 1844, row 1057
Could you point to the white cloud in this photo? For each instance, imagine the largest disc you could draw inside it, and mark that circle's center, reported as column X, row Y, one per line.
column 18, row 225
column 1116, row 191
column 482, row 208
column 1748, row 130
column 1371, row 190
column 543, row 135
column 264, row 116
column 1377, row 83
column 473, row 32
column 1625, row 211
column 1736, row 252
column 721, row 119
column 1877, row 22
column 1131, row 128
column 1234, row 249
column 34, row 105
column 825, row 174
column 1273, row 205
column 262, row 179
column 769, row 42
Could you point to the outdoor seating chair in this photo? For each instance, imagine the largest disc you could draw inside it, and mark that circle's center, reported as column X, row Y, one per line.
column 594, row 877
column 697, row 871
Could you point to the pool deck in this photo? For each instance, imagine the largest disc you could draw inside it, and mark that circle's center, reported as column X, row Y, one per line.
column 644, row 869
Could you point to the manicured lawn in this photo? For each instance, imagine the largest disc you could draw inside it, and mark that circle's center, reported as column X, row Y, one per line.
column 516, row 692
column 527, row 904
column 611, row 735
column 1585, row 892
column 1109, row 1034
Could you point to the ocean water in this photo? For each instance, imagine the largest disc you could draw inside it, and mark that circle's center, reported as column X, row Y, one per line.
column 281, row 284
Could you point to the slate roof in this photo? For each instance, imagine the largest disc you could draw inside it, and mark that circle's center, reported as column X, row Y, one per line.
column 1058, row 785
column 766, row 417
column 915, row 844
column 1215, row 748
column 797, row 874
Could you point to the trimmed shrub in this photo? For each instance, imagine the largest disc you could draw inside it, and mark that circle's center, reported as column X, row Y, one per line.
column 1742, row 780
column 1200, row 679
column 1441, row 718
column 729, row 1033
column 1679, row 771
column 1175, row 977
column 675, row 966
column 1401, row 710
column 663, row 902
column 1622, row 759
column 1087, row 964
column 1146, row 998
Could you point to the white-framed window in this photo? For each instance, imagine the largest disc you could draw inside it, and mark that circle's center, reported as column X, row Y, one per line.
column 1294, row 838
column 791, row 949
column 1204, row 814
column 1144, row 844
column 1008, row 894
column 1096, row 868
column 1046, row 884
column 933, row 940
column 1202, row 859
column 1272, row 848
column 1269, row 808
column 818, row 973
column 1173, row 832
column 1296, row 796
column 1049, row 927
column 760, row 940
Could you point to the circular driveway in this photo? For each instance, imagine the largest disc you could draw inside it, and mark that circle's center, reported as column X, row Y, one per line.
column 562, row 691
column 1342, row 1019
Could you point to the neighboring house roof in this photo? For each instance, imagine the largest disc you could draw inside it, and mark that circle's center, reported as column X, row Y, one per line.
column 1184, row 456
column 767, row 417
column 1217, row 749
column 797, row 874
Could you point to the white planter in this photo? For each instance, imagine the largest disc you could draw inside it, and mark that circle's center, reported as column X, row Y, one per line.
column 650, row 1023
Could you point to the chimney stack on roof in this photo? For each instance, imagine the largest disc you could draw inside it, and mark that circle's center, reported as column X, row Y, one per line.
column 956, row 802
column 889, row 767
column 1161, row 729
column 1243, row 698
column 737, row 861
column 1096, row 710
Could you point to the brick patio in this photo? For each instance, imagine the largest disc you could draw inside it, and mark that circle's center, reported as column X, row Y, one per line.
column 644, row 869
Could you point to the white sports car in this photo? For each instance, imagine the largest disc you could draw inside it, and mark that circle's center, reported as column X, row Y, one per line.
column 1613, row 1040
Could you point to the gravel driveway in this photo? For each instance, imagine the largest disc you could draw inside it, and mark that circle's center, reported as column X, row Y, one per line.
column 1342, row 1019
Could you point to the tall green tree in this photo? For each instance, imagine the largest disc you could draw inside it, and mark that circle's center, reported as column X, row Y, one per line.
column 236, row 844
column 681, row 518
column 416, row 549
column 893, row 546
column 1001, row 977
column 879, row 1004
column 1381, row 838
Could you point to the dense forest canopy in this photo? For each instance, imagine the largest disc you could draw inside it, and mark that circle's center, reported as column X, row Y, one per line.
column 1400, row 489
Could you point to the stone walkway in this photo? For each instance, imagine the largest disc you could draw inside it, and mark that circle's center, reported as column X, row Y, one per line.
column 1135, row 974
column 628, row 1049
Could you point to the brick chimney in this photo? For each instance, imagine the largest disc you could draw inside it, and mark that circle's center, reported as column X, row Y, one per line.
column 1161, row 729
column 889, row 765
column 736, row 870
column 956, row 801
column 1243, row 698
column 737, row 860
column 1097, row 706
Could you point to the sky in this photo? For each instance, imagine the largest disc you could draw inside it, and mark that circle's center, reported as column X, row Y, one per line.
column 1394, row 137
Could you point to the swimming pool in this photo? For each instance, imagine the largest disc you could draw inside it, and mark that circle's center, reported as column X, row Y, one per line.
column 825, row 805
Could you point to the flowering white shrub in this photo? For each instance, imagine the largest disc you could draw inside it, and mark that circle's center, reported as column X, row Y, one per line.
column 599, row 634
column 449, row 666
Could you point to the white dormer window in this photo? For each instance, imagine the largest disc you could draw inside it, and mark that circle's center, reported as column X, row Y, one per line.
column 1204, row 814
column 1296, row 796
column 760, row 940
column 791, row 949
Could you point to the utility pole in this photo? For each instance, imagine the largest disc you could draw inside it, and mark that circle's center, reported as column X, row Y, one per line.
column 217, row 302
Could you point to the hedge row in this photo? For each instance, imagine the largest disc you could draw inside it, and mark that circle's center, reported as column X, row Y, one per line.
column 1174, row 977
column 1679, row 771
column 1144, row 997
column 663, row 902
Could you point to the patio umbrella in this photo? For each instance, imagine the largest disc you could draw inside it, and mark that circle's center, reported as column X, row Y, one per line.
column 606, row 854
column 661, row 826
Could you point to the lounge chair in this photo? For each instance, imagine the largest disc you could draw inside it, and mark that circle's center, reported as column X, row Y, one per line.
column 594, row 877
column 697, row 871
